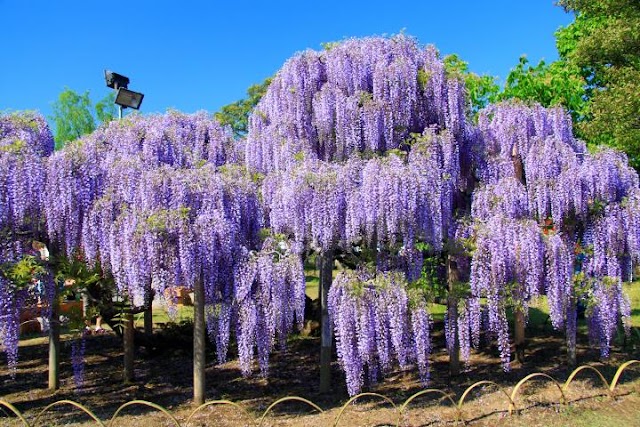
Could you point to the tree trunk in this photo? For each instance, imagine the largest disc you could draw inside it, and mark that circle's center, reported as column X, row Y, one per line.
column 325, row 267
column 519, row 338
column 571, row 331
column 129, row 346
column 518, row 313
column 198, row 344
column 453, row 277
column 148, row 313
column 54, row 345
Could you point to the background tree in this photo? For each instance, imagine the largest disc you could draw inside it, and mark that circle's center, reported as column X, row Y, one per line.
column 604, row 43
column 236, row 114
column 106, row 109
column 557, row 83
column 75, row 115
column 597, row 78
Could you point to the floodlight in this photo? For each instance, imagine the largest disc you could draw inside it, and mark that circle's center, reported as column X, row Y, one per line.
column 115, row 80
column 125, row 98
column 129, row 99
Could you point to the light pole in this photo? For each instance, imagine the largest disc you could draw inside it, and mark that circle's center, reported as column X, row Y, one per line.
column 125, row 98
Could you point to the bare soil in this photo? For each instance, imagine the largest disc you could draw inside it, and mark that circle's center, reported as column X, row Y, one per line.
column 164, row 377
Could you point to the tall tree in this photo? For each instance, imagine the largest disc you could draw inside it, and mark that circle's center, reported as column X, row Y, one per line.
column 72, row 116
column 604, row 42
column 75, row 115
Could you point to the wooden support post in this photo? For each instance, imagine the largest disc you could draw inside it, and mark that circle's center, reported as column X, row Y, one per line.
column 198, row 344
column 453, row 277
column 129, row 346
column 325, row 267
column 571, row 331
column 519, row 336
column 54, row 344
column 148, row 313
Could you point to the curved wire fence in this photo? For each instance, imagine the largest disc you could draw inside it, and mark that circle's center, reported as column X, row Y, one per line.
column 510, row 401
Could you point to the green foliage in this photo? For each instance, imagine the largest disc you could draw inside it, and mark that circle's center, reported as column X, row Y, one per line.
column 604, row 44
column 15, row 147
column 558, row 83
column 22, row 273
column 431, row 286
column 364, row 98
column 73, row 115
column 329, row 45
column 77, row 271
column 423, row 78
column 106, row 109
column 482, row 90
column 162, row 219
column 299, row 156
column 606, row 33
column 236, row 114
column 615, row 114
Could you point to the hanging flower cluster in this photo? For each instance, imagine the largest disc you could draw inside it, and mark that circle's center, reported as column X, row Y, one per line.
column 375, row 324
column 25, row 142
column 384, row 201
column 361, row 95
column 270, row 295
column 507, row 267
column 110, row 163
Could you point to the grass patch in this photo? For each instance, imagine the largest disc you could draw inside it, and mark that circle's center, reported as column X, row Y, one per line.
column 633, row 292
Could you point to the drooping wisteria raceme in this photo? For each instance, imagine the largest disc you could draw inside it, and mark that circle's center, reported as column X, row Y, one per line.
column 376, row 324
column 270, row 298
column 25, row 142
column 393, row 200
column 508, row 265
column 11, row 303
column 109, row 162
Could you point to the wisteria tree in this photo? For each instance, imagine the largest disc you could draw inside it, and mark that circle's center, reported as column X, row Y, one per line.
column 362, row 152
column 160, row 202
column 366, row 148
column 551, row 218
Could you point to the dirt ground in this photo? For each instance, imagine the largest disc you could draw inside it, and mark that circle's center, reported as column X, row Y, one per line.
column 165, row 377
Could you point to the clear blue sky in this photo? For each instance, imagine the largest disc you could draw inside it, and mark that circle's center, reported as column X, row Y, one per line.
column 194, row 55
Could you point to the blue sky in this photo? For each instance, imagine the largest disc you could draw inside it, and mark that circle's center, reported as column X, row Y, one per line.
column 194, row 55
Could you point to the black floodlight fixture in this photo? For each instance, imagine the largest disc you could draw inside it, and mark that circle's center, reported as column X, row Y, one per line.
column 125, row 98
column 129, row 99
column 115, row 80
